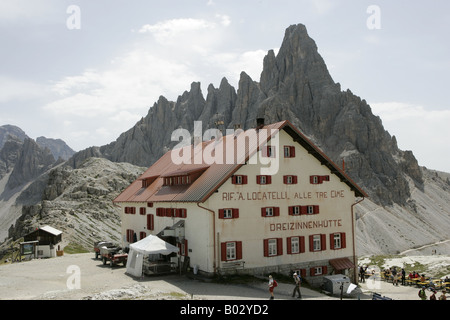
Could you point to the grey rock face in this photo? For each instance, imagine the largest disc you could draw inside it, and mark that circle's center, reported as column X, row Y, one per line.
column 31, row 162
column 57, row 147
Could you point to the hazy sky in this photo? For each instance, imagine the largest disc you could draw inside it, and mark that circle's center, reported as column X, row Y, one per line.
column 85, row 71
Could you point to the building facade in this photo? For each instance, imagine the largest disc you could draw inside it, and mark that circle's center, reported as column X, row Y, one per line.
column 281, row 205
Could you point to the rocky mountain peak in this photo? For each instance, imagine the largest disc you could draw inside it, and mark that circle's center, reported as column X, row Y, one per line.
column 295, row 85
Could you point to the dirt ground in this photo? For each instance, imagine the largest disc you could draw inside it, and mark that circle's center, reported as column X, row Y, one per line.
column 81, row 277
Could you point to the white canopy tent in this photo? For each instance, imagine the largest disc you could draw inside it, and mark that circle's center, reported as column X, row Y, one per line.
column 149, row 245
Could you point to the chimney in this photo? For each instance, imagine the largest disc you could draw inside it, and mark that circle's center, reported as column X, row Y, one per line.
column 259, row 123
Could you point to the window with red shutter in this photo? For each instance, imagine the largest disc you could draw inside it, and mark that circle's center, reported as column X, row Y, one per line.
column 290, row 179
column 273, row 247
column 295, row 245
column 143, row 211
column 239, row 179
column 289, row 151
column 130, row 235
column 231, row 250
column 150, row 222
column 317, row 242
column 263, row 179
column 142, row 235
column 230, row 213
column 268, row 151
column 270, row 212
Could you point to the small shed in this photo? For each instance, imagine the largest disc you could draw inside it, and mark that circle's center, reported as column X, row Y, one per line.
column 48, row 240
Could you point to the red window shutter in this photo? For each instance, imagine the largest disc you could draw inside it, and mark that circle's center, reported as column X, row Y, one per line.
column 235, row 213
column 304, row 210
column 285, row 179
column 294, row 179
column 263, row 212
column 244, row 179
column 311, row 243
column 302, row 244
column 143, row 211
column 303, row 273
column 142, row 235
column 292, row 152
column 316, row 209
column 291, row 211
column 324, row 270
column 238, row 250
column 266, row 247
column 223, row 251
column 288, row 245
column 276, row 211
column 312, row 272
column 268, row 179
column 311, row 179
column 279, row 246
column 186, row 247
column 332, row 241
column 258, row 179
column 221, row 213
column 233, row 179
column 150, row 204
column 343, row 241
column 150, row 222
column 323, row 241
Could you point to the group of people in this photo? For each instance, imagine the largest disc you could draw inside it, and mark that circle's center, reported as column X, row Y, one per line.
column 297, row 284
column 395, row 275
column 423, row 294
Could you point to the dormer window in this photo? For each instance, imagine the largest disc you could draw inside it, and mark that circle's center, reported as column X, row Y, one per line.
column 182, row 177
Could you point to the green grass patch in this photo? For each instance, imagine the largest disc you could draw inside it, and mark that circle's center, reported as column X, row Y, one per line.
column 73, row 248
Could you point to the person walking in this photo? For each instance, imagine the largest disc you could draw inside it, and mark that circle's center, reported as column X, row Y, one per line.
column 297, row 280
column 403, row 277
column 272, row 284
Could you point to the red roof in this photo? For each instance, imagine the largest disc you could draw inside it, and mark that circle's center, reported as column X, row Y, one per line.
column 213, row 175
column 342, row 264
